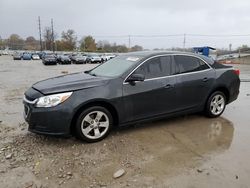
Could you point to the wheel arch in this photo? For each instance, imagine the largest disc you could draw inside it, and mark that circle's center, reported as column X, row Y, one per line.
column 222, row 89
column 103, row 103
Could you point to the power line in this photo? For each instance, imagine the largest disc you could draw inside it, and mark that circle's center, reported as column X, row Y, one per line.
column 171, row 35
column 219, row 35
column 109, row 36
column 136, row 36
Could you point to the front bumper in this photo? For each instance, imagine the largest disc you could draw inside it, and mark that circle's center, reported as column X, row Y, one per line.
column 66, row 62
column 49, row 62
column 79, row 61
column 51, row 121
column 96, row 61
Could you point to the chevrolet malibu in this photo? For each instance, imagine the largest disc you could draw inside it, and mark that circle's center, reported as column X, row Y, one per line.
column 128, row 89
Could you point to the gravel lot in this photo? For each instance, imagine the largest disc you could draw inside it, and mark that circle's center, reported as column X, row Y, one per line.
column 188, row 151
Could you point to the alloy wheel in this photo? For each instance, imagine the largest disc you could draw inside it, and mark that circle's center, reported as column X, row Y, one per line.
column 217, row 104
column 95, row 124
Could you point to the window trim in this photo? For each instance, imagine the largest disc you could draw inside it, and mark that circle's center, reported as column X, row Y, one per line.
column 172, row 57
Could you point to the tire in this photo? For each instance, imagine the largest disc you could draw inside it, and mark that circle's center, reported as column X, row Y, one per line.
column 216, row 104
column 91, row 128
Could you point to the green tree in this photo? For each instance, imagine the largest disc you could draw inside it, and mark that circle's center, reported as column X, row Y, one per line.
column 120, row 48
column 136, row 48
column 15, row 42
column 59, row 46
column 1, row 43
column 31, row 43
column 69, row 40
column 88, row 44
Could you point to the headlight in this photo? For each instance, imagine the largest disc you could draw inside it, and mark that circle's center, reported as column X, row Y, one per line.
column 53, row 100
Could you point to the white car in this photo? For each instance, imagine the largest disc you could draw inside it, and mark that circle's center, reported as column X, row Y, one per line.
column 93, row 58
column 5, row 52
column 106, row 57
column 35, row 57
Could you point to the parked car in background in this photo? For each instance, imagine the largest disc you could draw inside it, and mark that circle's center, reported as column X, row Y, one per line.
column 103, row 57
column 26, row 56
column 93, row 58
column 17, row 56
column 71, row 55
column 49, row 59
column 35, row 57
column 5, row 52
column 41, row 54
column 79, row 59
column 106, row 57
column 131, row 88
column 63, row 59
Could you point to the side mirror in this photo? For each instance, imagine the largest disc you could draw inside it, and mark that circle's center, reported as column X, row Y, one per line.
column 136, row 77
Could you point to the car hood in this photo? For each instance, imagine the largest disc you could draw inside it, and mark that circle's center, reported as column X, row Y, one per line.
column 71, row 82
column 65, row 58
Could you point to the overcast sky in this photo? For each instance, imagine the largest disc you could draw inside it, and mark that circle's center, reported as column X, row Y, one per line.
column 133, row 17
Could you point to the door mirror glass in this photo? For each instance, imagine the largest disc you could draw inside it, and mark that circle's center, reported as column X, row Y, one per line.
column 136, row 77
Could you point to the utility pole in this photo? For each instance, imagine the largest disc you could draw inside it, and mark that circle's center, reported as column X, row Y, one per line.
column 52, row 30
column 184, row 42
column 129, row 42
column 40, row 33
column 230, row 47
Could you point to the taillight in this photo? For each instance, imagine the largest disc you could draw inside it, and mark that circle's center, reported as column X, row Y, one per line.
column 237, row 71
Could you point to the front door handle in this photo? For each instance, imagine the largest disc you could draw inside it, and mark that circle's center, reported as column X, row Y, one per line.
column 205, row 79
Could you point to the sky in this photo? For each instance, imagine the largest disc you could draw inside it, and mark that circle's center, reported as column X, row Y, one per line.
column 150, row 23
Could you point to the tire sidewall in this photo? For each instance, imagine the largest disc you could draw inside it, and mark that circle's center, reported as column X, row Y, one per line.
column 208, row 110
column 78, row 129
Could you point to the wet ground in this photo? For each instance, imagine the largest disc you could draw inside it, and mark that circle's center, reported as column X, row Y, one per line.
column 188, row 151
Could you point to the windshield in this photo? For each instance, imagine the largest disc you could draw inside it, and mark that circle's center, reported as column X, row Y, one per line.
column 93, row 56
column 49, row 56
column 115, row 67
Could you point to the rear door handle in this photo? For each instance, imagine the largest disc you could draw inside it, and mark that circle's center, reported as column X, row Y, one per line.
column 169, row 86
column 205, row 79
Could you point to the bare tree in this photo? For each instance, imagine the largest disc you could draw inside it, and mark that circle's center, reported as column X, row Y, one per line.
column 48, row 38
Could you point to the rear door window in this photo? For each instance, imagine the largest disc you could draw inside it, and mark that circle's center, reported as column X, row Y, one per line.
column 187, row 64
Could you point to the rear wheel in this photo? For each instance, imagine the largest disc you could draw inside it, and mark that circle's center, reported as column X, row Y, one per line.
column 94, row 124
column 216, row 104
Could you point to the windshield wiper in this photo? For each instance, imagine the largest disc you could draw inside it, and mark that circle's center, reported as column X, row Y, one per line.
column 89, row 72
column 92, row 74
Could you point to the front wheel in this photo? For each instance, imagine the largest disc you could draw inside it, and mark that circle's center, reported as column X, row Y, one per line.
column 94, row 124
column 216, row 104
